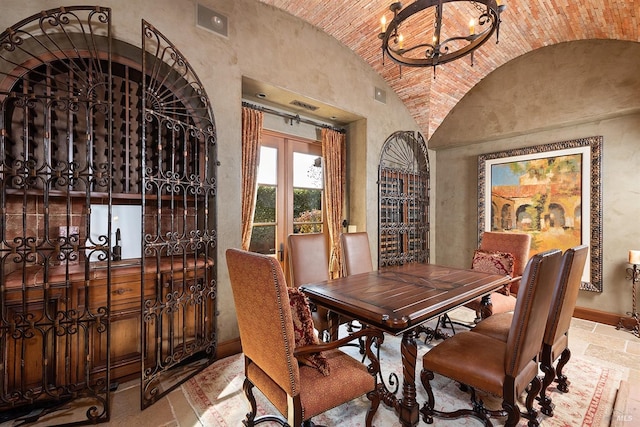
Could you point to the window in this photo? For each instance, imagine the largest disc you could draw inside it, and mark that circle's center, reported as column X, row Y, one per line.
column 289, row 197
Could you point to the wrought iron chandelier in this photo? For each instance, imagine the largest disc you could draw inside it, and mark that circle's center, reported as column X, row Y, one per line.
column 406, row 44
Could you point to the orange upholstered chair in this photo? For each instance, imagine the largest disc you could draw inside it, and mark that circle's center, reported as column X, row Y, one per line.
column 356, row 254
column 516, row 244
column 273, row 323
column 555, row 343
column 502, row 368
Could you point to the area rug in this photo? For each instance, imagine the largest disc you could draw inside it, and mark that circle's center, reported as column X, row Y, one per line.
column 216, row 395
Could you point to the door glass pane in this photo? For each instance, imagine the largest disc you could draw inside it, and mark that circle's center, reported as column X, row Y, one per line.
column 307, row 210
column 307, row 170
column 307, row 193
column 263, row 239
column 265, row 205
column 268, row 167
column 263, row 235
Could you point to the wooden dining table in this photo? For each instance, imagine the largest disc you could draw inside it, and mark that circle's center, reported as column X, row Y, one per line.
column 398, row 300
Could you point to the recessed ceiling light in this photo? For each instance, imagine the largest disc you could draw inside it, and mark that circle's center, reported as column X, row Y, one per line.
column 333, row 117
column 211, row 20
column 261, row 95
column 217, row 21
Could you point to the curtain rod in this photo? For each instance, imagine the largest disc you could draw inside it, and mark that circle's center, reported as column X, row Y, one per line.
column 292, row 117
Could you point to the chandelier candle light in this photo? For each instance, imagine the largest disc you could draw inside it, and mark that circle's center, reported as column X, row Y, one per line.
column 432, row 35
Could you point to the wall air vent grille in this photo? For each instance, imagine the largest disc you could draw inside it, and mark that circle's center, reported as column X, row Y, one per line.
column 304, row 105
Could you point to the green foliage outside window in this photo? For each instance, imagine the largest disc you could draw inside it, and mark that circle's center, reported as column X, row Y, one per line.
column 265, row 204
column 307, row 210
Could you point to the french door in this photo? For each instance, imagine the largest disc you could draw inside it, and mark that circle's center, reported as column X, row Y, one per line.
column 289, row 195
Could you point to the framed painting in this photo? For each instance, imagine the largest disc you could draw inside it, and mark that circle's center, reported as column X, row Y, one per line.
column 552, row 192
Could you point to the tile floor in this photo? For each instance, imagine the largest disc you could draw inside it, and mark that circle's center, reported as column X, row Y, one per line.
column 602, row 343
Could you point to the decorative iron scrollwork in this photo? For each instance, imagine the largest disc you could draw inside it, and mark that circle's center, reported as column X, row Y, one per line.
column 403, row 200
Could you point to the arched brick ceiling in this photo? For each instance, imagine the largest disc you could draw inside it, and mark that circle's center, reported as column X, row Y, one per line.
column 526, row 26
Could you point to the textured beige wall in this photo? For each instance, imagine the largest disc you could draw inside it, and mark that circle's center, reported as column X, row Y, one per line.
column 557, row 101
column 271, row 46
column 560, row 85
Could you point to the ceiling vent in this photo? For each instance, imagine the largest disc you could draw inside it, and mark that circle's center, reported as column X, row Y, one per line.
column 304, row 105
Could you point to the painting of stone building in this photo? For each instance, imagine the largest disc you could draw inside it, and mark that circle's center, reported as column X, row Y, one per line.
column 541, row 197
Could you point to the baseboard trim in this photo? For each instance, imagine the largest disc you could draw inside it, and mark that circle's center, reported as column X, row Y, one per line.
column 229, row 348
column 596, row 316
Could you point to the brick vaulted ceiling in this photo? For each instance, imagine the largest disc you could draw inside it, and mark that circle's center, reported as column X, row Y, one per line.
column 526, row 25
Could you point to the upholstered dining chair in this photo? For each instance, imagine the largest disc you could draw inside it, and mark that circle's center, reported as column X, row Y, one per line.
column 282, row 358
column 356, row 254
column 309, row 263
column 356, row 258
column 555, row 343
column 503, row 368
column 494, row 245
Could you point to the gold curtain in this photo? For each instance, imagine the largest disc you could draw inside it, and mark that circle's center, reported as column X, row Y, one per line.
column 251, row 137
column 333, row 150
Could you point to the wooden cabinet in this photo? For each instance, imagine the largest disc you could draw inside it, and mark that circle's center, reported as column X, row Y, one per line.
column 29, row 356
column 71, row 326
column 125, row 317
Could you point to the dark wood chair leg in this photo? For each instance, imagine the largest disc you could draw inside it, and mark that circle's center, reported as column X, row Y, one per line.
column 532, row 414
column 477, row 411
column 563, row 383
column 251, row 420
column 509, row 403
column 546, row 365
column 427, row 408
column 513, row 413
column 248, row 392
column 374, row 397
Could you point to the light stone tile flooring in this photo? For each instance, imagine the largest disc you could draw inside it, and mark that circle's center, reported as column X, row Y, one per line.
column 601, row 343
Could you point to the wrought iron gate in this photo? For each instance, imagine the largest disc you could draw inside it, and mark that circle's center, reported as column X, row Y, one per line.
column 403, row 200
column 55, row 148
column 178, row 189
column 83, row 138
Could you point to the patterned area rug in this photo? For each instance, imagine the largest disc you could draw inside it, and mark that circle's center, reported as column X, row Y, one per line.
column 217, row 397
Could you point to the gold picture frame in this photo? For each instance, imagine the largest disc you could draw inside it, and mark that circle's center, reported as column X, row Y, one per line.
column 552, row 192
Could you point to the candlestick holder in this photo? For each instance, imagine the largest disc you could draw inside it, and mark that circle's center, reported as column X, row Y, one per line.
column 632, row 322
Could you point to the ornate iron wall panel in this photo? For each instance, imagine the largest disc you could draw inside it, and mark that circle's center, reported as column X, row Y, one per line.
column 82, row 132
column 178, row 142
column 55, row 148
column 403, row 200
